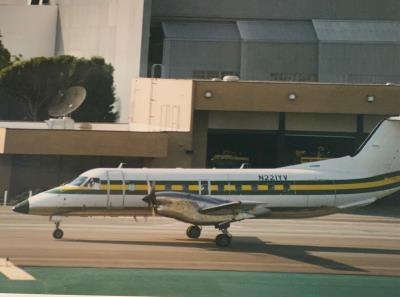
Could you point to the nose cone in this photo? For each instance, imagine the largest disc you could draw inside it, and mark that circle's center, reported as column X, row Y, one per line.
column 22, row 207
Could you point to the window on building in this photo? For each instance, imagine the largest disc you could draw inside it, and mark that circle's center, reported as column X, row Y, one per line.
column 210, row 74
column 284, row 76
column 39, row 2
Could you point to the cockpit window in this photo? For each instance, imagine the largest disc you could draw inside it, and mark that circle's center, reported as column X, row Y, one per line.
column 78, row 181
column 93, row 182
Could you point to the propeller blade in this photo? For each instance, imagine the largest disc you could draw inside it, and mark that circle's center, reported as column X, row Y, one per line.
column 151, row 198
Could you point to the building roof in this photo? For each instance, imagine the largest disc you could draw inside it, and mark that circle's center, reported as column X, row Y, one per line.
column 358, row 31
column 277, row 31
column 201, row 31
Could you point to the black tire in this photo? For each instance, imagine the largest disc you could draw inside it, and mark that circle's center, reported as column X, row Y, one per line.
column 223, row 240
column 58, row 234
column 193, row 232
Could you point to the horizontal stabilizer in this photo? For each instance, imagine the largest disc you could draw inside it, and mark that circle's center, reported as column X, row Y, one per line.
column 358, row 204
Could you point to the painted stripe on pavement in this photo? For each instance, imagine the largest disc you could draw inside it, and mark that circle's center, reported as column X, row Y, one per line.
column 13, row 272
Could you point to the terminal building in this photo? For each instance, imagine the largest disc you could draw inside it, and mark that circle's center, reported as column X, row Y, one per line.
column 312, row 82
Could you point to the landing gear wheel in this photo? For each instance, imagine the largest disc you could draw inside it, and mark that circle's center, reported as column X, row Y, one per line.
column 193, row 231
column 223, row 240
column 58, row 233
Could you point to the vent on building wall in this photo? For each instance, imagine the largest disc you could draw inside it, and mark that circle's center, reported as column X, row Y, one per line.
column 38, row 2
column 231, row 78
column 211, row 74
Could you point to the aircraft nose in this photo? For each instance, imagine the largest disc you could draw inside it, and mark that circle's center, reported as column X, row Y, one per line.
column 22, row 207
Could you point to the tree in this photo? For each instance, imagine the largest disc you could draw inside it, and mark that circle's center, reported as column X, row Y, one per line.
column 97, row 77
column 5, row 56
column 35, row 83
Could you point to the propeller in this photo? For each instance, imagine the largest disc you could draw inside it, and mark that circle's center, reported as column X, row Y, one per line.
column 151, row 198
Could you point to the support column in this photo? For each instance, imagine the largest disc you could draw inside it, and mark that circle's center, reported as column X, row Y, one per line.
column 200, row 135
column 5, row 174
column 280, row 141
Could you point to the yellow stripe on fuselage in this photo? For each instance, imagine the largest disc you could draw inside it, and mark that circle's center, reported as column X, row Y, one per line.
column 350, row 186
column 214, row 188
column 262, row 187
column 193, row 188
column 176, row 188
column 141, row 187
column 246, row 188
column 229, row 188
column 159, row 187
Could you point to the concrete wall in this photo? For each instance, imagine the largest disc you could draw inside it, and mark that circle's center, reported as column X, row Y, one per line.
column 117, row 30
column 321, row 122
column 310, row 97
column 29, row 31
column 248, row 120
column 13, row 2
column 180, row 151
column 5, row 175
column 83, row 143
column 161, row 105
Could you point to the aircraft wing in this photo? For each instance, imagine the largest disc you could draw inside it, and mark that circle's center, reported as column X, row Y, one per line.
column 236, row 206
column 231, row 206
column 210, row 205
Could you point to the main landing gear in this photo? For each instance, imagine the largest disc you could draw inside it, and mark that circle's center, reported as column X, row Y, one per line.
column 224, row 239
column 193, row 231
column 57, row 233
column 221, row 240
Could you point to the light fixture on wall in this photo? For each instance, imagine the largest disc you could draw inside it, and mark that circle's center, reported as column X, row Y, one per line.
column 370, row 98
column 292, row 96
column 208, row 94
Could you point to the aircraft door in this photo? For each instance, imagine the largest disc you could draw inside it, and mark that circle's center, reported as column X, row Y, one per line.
column 115, row 189
column 204, row 187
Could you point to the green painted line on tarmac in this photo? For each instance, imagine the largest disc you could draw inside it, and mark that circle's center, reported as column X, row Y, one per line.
column 196, row 283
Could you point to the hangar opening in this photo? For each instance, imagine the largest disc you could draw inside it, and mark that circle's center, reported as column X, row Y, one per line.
column 230, row 149
column 301, row 148
column 271, row 149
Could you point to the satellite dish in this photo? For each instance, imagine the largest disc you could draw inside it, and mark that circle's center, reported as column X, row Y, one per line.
column 68, row 101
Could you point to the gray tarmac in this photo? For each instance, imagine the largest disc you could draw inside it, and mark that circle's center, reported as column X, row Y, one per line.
column 366, row 242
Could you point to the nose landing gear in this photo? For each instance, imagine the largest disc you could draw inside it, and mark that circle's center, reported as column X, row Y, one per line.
column 57, row 233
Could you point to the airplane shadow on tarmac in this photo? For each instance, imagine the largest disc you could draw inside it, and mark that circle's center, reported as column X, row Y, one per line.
column 386, row 207
column 301, row 253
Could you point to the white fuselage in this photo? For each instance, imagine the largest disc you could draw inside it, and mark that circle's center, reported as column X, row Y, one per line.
column 288, row 192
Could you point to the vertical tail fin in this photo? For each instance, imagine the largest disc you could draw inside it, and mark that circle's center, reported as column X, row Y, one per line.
column 379, row 154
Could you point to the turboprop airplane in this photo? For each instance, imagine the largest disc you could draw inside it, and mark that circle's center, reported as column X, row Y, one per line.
column 219, row 197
